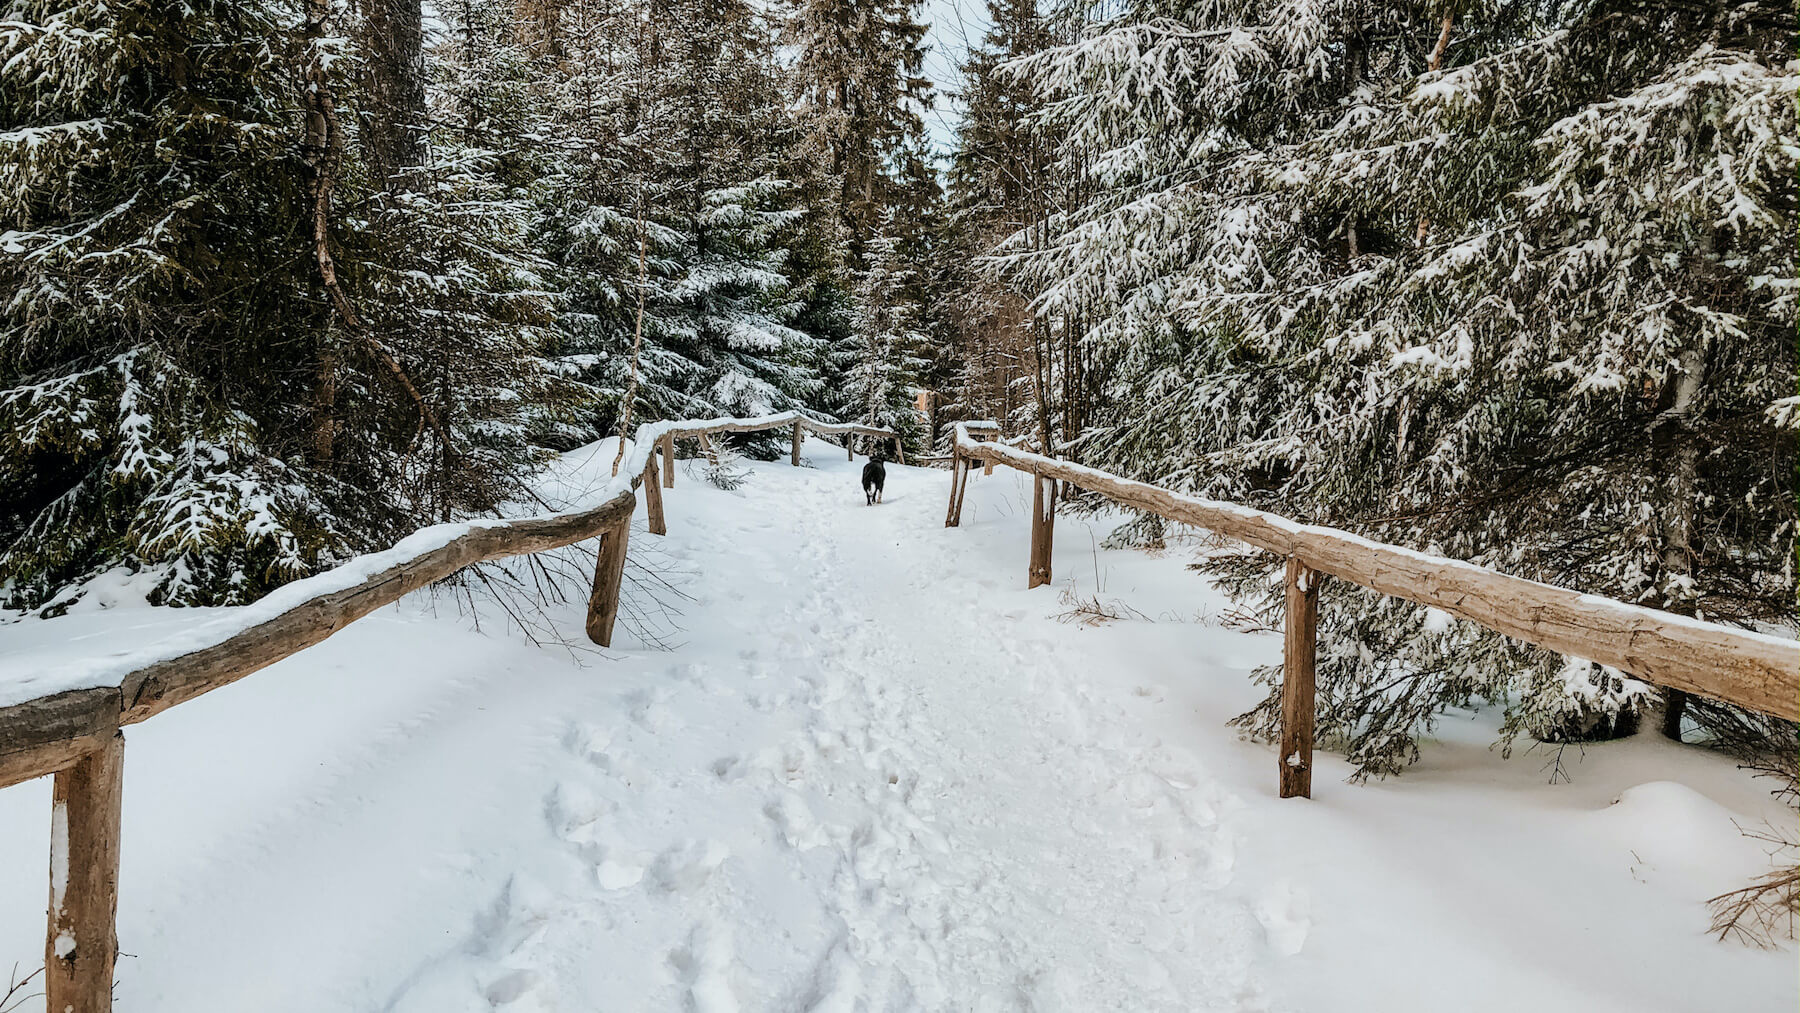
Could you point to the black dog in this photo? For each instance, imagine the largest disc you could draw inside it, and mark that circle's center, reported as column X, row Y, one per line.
column 874, row 477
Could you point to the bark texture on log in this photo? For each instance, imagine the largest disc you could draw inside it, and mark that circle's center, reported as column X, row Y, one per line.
column 668, row 454
column 1299, row 653
column 794, row 457
column 82, row 943
column 959, row 483
column 1753, row 670
column 653, row 501
column 609, row 572
column 1043, row 531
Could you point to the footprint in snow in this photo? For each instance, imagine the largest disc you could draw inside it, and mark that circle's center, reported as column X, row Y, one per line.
column 590, row 743
column 687, row 866
column 570, row 807
column 704, row 965
column 649, row 708
column 799, row 827
column 1285, row 915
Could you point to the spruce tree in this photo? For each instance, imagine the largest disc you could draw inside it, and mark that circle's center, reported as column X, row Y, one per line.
column 151, row 185
column 673, row 192
column 880, row 361
column 231, row 357
column 1514, row 287
column 862, row 93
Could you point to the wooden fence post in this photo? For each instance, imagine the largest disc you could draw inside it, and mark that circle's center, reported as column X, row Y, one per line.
column 1297, row 658
column 959, row 479
column 899, row 452
column 609, row 569
column 668, row 453
column 706, row 445
column 83, row 943
column 1043, row 529
column 849, row 446
column 794, row 457
column 653, row 500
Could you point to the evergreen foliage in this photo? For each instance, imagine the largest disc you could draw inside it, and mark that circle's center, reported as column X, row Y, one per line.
column 1531, row 309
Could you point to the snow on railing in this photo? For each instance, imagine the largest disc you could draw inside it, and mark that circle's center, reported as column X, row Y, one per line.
column 68, row 722
column 1753, row 670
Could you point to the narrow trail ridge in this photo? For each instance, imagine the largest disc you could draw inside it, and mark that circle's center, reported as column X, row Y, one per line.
column 870, row 773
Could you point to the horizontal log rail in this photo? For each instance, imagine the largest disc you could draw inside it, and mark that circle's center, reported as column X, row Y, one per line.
column 75, row 733
column 1753, row 670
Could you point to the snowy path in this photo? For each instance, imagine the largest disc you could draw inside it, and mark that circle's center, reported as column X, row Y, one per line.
column 903, row 806
column 872, row 774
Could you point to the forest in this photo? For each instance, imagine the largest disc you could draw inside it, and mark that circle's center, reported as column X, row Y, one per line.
column 1510, row 281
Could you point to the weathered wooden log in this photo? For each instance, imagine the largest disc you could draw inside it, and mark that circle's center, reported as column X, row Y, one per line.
column 899, row 451
column 1299, row 652
column 43, row 735
column 668, row 456
column 82, row 943
column 1043, row 530
column 609, row 571
column 959, row 475
column 794, row 456
column 1754, row 670
column 653, row 499
column 706, row 445
column 50, row 733
column 849, row 446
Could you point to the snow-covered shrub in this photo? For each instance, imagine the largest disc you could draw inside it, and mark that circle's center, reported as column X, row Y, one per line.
column 725, row 469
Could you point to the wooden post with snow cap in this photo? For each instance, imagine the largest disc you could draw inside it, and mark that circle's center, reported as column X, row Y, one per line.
column 794, row 455
column 1043, row 529
column 1299, row 650
column 653, row 500
column 668, row 455
column 83, row 943
column 609, row 571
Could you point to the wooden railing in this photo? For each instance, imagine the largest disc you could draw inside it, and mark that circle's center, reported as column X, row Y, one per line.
column 76, row 734
column 1752, row 670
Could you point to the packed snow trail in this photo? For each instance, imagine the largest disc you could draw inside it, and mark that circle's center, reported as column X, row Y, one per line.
column 904, row 806
column 871, row 772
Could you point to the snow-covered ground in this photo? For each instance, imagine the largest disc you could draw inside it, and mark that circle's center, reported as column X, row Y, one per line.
column 873, row 773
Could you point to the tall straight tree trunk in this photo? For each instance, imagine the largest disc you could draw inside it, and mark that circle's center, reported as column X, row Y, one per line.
column 393, row 119
column 1678, row 506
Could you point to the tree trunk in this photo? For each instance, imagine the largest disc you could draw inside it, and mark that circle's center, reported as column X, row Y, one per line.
column 393, row 121
column 1678, row 505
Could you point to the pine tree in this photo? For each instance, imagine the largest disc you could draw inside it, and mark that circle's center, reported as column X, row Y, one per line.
column 861, row 91
column 150, row 185
column 1504, row 286
column 880, row 361
column 674, row 195
column 213, row 373
column 1022, row 362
